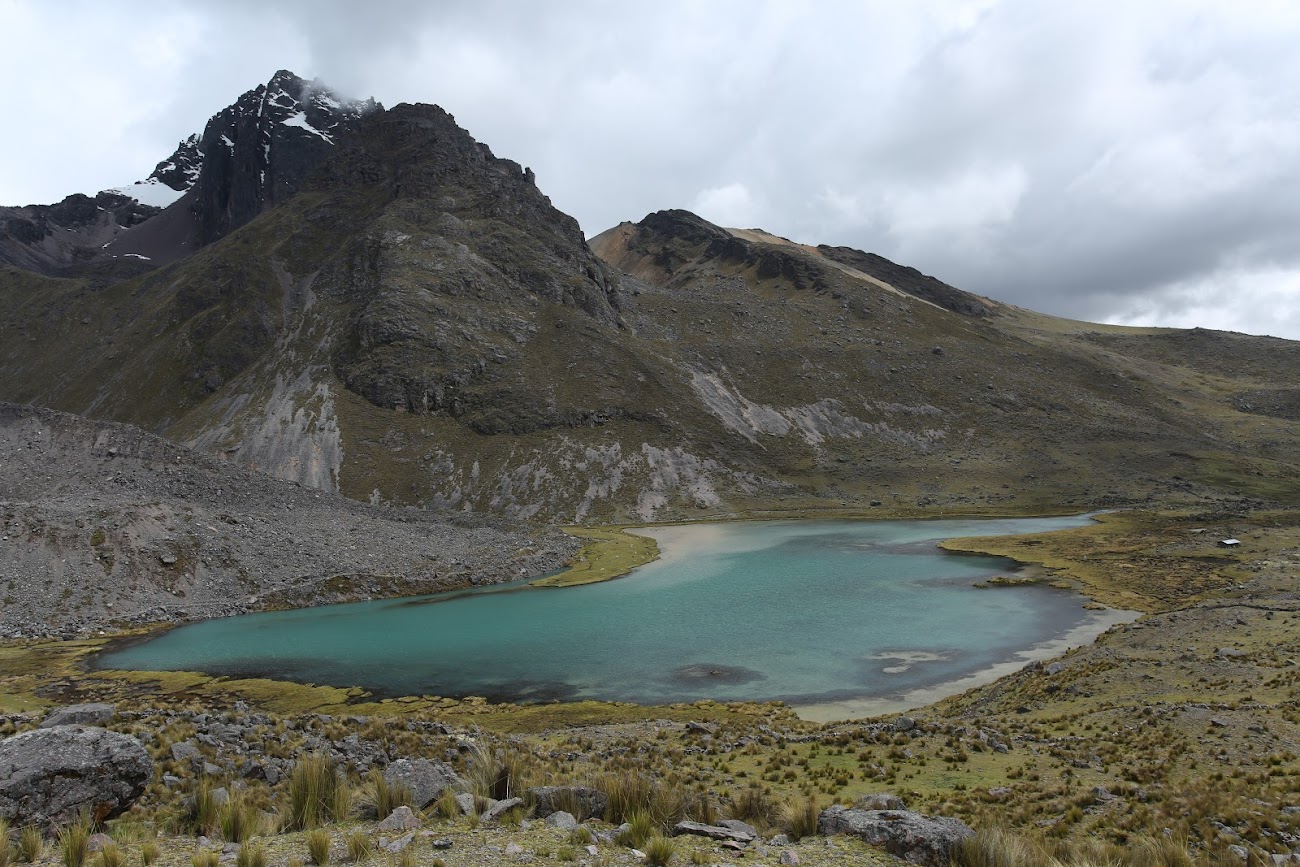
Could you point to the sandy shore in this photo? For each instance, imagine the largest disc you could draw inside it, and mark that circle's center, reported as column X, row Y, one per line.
column 867, row 706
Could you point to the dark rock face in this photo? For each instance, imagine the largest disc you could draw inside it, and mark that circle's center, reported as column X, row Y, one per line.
column 582, row 801
column 79, row 714
column 426, row 779
column 180, row 171
column 256, row 152
column 911, row 836
column 449, row 280
column 48, row 776
column 908, row 280
column 53, row 239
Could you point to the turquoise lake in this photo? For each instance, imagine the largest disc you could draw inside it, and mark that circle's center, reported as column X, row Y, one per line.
column 804, row 611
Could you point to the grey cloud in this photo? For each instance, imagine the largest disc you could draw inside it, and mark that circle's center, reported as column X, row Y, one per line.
column 1107, row 161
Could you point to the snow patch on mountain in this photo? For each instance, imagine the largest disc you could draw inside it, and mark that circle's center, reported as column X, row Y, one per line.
column 152, row 192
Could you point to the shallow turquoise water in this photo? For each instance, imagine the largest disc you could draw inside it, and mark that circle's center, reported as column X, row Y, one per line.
column 802, row 611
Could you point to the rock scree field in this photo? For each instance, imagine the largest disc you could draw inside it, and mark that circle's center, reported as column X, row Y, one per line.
column 331, row 351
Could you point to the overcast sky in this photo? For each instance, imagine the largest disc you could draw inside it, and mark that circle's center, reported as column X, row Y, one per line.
column 1132, row 162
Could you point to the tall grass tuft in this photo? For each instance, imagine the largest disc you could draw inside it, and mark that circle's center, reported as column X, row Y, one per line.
column 316, row 794
column 318, row 846
column 6, row 849
column 799, row 820
column 755, row 806
column 149, row 853
column 446, row 805
column 639, row 828
column 202, row 813
column 666, row 805
column 110, row 855
column 74, row 842
column 659, row 850
column 30, row 844
column 384, row 797
column 497, row 774
column 205, row 858
column 239, row 819
column 360, row 848
column 251, row 855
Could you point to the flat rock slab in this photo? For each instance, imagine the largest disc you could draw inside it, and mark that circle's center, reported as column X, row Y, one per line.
column 911, row 836
column 96, row 714
column 401, row 819
column 713, row 832
column 49, row 776
column 494, row 812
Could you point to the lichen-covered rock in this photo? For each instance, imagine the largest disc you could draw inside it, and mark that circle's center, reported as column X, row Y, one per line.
column 48, row 776
column 911, row 836
column 425, row 778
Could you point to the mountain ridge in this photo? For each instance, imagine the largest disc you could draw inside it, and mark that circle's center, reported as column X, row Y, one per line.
column 410, row 321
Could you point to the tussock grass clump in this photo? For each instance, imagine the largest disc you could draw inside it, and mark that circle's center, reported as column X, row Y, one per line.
column 251, row 855
column 659, row 850
column 799, row 820
column 111, row 855
column 205, row 858
column 149, row 852
column 30, row 844
column 997, row 847
column 318, row 846
column 317, row 794
column 200, row 812
column 640, row 827
column 239, row 819
column 382, row 796
column 497, row 774
column 360, row 847
column 755, row 806
column 6, row 849
column 446, row 807
column 74, row 842
column 665, row 804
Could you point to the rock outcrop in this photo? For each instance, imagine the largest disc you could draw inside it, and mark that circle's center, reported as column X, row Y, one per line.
column 426, row 779
column 911, row 836
column 50, row 776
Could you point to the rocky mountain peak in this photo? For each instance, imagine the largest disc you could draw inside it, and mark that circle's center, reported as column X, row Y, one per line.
column 180, row 171
column 257, row 151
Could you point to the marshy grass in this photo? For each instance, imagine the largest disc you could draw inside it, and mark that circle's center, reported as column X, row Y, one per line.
column 317, row 794
column 74, row 842
column 318, row 846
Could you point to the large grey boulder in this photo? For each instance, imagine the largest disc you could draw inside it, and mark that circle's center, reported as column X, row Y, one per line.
column 583, row 802
column 425, row 778
column 96, row 714
column 48, row 776
column 911, row 836
column 713, row 832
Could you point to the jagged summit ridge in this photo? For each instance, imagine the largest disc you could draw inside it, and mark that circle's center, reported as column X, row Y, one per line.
column 257, row 151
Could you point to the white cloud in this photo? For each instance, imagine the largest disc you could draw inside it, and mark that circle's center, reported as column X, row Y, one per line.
column 732, row 205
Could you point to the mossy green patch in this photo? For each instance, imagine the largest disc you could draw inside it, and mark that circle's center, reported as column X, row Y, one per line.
column 610, row 552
